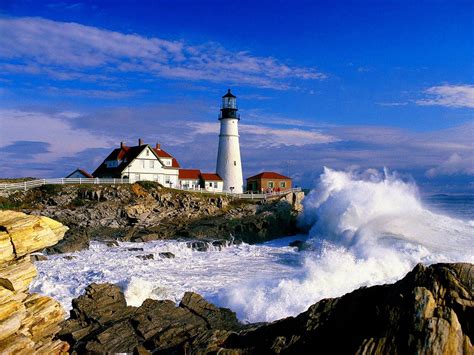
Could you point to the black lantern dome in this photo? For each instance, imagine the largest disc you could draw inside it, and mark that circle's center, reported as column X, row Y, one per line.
column 229, row 106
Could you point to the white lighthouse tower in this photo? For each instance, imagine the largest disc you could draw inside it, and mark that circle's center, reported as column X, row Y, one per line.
column 229, row 166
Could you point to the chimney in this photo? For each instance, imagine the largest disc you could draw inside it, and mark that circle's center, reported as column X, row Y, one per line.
column 158, row 146
column 140, row 141
column 121, row 145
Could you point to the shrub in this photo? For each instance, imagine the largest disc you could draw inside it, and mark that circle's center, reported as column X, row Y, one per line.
column 50, row 189
column 149, row 185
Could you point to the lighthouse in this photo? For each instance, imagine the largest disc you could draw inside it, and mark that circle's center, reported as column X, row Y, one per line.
column 229, row 165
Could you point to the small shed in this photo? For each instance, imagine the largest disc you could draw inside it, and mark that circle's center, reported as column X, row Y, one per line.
column 79, row 174
column 189, row 178
column 268, row 181
column 212, row 182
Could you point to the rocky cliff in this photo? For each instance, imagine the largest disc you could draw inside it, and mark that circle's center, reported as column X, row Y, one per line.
column 28, row 322
column 429, row 311
column 146, row 211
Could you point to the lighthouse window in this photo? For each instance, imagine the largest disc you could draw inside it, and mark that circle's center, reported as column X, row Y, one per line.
column 235, row 163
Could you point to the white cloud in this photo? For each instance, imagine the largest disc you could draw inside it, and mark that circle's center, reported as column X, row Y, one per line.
column 44, row 46
column 54, row 129
column 456, row 164
column 257, row 136
column 449, row 96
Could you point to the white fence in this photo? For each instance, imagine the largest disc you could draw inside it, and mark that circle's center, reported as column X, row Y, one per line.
column 96, row 181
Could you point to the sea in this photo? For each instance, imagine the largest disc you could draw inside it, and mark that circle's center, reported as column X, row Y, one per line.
column 364, row 229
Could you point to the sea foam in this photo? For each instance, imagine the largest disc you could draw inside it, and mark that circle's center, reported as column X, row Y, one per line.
column 364, row 229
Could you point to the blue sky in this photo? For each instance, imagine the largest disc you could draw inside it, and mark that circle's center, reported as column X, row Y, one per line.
column 344, row 84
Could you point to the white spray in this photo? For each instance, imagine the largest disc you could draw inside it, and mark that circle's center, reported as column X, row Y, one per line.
column 366, row 229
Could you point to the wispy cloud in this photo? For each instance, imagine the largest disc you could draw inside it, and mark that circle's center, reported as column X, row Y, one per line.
column 392, row 104
column 258, row 136
column 53, row 130
column 455, row 164
column 37, row 44
column 449, row 96
column 103, row 94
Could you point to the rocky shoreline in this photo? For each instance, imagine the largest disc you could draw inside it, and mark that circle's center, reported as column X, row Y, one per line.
column 429, row 311
column 146, row 211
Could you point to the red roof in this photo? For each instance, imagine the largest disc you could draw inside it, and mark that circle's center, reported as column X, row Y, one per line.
column 83, row 172
column 269, row 175
column 126, row 155
column 210, row 177
column 163, row 154
column 190, row 174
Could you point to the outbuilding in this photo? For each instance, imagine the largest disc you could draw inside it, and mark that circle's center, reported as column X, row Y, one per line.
column 268, row 181
column 79, row 174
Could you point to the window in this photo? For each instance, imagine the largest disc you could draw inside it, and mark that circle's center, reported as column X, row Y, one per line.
column 152, row 164
column 270, row 184
column 137, row 177
column 143, row 164
column 147, row 152
column 235, row 163
column 283, row 184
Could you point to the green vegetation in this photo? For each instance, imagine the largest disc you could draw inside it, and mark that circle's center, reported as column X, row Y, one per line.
column 50, row 189
column 149, row 185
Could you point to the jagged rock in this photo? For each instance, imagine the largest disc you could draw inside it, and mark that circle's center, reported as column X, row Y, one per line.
column 132, row 213
column 198, row 245
column 12, row 314
column 135, row 249
column 299, row 244
column 74, row 240
column 26, row 234
column 28, row 322
column 430, row 311
column 38, row 257
column 112, row 243
column 43, row 315
column 96, row 326
column 216, row 318
column 146, row 257
column 100, row 304
column 167, row 255
column 17, row 275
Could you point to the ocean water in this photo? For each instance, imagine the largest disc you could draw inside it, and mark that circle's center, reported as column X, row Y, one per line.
column 364, row 229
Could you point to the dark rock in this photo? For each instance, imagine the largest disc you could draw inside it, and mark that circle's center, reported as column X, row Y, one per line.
column 135, row 249
column 134, row 213
column 429, row 311
column 220, row 244
column 198, row 245
column 75, row 239
column 145, row 257
column 167, row 255
column 70, row 257
column 101, row 303
column 216, row 318
column 38, row 257
column 421, row 313
column 101, row 322
column 301, row 245
column 112, row 243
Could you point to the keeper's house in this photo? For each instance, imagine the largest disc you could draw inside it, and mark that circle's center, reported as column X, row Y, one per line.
column 141, row 162
column 268, row 181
